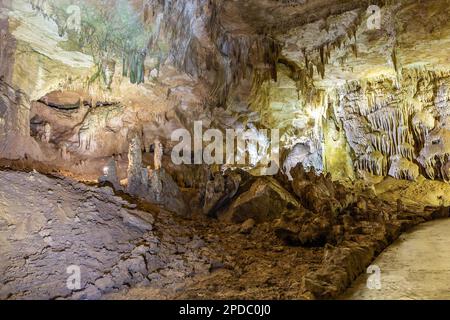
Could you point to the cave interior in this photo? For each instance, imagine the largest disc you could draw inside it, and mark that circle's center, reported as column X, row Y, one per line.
column 220, row 149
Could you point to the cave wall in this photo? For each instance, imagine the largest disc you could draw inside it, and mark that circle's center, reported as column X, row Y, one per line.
column 196, row 68
column 348, row 100
column 398, row 129
column 375, row 128
column 381, row 91
column 7, row 48
column 15, row 140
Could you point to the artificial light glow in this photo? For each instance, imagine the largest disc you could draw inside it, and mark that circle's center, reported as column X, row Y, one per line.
column 315, row 114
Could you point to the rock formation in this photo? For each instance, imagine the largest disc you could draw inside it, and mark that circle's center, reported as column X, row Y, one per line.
column 265, row 200
column 110, row 174
column 90, row 228
column 158, row 154
column 358, row 96
column 137, row 176
column 164, row 191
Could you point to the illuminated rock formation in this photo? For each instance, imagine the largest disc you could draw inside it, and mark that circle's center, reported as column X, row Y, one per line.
column 137, row 176
column 358, row 95
column 110, row 174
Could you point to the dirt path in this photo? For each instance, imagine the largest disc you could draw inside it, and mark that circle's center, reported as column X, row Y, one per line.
column 416, row 266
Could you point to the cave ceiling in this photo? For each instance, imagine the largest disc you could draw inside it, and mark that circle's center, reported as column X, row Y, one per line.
column 331, row 33
column 417, row 31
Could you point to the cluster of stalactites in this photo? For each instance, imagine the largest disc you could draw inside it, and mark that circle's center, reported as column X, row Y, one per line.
column 404, row 169
column 373, row 162
column 405, row 128
column 438, row 167
column 392, row 135
column 316, row 60
column 435, row 156
column 230, row 57
column 423, row 123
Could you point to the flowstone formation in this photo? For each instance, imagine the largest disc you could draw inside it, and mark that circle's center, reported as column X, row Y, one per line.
column 399, row 132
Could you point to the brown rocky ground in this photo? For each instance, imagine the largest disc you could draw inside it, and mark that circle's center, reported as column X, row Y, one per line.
column 132, row 250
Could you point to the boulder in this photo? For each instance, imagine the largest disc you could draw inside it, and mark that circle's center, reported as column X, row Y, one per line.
column 302, row 227
column 316, row 232
column 265, row 201
column 288, row 227
column 316, row 192
column 220, row 191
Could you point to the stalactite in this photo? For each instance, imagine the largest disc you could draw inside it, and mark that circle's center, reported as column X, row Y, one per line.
column 133, row 65
column 407, row 125
column 373, row 162
column 237, row 58
column 402, row 168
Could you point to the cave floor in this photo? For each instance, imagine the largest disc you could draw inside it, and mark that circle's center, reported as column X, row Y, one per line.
column 48, row 224
column 415, row 267
column 129, row 250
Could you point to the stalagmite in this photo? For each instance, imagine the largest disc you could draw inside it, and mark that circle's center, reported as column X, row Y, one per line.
column 65, row 154
column 108, row 71
column 155, row 185
column 136, row 181
column 47, row 133
column 110, row 174
column 159, row 150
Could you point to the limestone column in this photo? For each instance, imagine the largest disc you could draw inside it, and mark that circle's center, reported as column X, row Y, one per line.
column 47, row 132
column 159, row 150
column 135, row 165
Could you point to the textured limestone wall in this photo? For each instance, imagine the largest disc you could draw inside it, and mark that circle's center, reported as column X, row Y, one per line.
column 381, row 92
column 7, row 48
column 15, row 141
column 398, row 129
column 332, row 85
column 201, row 65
